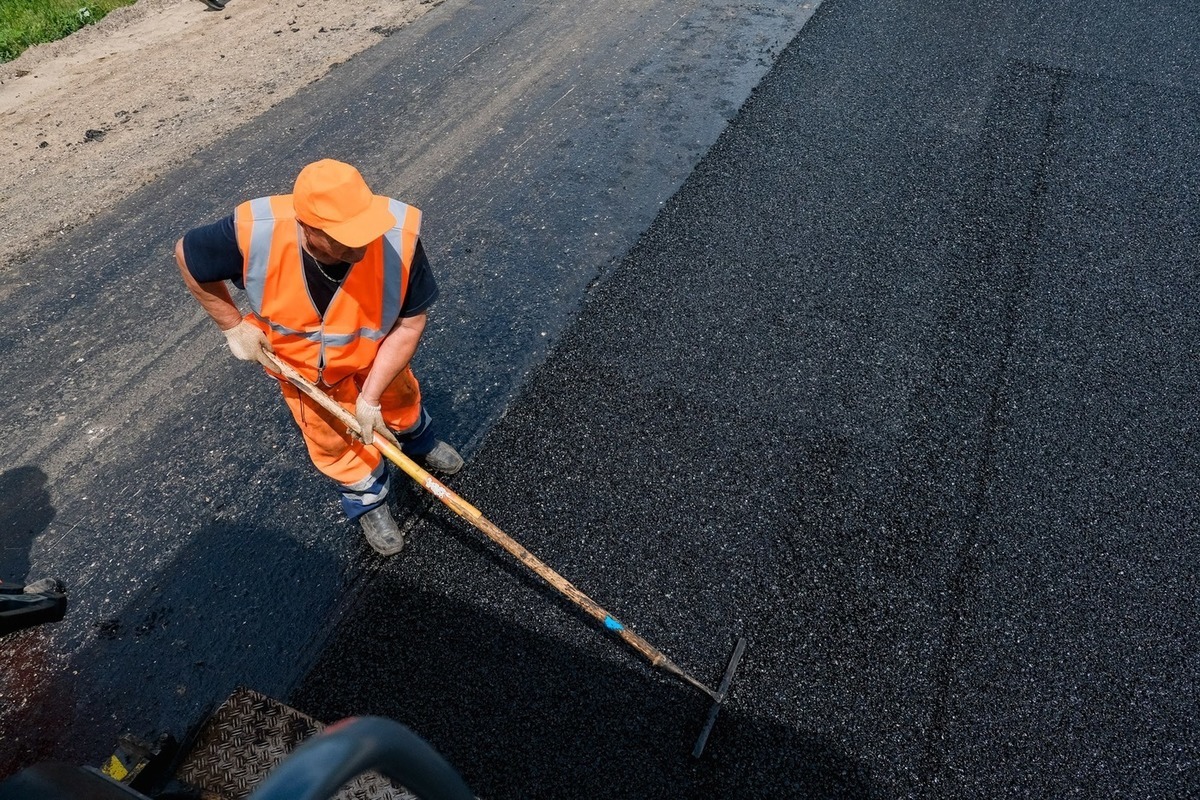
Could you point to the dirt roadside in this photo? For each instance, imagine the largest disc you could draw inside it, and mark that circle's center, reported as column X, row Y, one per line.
column 90, row 118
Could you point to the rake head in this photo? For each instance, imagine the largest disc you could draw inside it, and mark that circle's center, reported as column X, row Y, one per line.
column 722, row 693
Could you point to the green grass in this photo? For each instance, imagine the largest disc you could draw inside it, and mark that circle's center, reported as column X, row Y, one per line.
column 24, row 23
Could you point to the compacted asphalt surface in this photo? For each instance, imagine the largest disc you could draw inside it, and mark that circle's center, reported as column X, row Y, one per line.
column 899, row 386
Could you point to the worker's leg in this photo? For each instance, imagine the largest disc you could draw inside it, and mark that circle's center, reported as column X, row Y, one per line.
column 404, row 414
column 358, row 470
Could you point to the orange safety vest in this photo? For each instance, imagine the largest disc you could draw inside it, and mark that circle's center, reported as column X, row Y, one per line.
column 324, row 349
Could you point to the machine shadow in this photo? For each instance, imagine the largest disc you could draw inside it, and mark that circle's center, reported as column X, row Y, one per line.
column 238, row 605
column 494, row 698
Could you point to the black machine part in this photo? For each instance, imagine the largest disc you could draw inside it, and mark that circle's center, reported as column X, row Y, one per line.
column 21, row 608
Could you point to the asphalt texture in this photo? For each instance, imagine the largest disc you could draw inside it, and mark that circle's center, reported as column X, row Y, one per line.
column 899, row 385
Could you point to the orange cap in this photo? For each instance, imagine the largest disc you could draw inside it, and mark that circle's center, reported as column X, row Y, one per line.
column 333, row 197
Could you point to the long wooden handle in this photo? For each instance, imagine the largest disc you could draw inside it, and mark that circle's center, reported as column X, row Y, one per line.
column 468, row 512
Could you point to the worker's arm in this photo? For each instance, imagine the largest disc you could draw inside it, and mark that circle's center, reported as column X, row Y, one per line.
column 214, row 296
column 246, row 341
column 395, row 351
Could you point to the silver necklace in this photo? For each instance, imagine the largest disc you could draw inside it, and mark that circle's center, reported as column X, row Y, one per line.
column 321, row 269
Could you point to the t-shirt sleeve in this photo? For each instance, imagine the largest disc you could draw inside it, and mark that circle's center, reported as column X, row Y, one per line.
column 212, row 254
column 422, row 288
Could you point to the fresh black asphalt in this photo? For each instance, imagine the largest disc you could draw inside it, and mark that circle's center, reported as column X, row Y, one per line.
column 899, row 386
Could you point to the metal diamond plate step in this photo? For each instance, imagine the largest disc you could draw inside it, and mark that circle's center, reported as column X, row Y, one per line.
column 247, row 736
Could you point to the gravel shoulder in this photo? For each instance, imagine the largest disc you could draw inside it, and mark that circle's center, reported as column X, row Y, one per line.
column 94, row 116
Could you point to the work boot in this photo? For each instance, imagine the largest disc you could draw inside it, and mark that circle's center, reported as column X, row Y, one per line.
column 442, row 458
column 381, row 531
column 45, row 586
column 215, row 5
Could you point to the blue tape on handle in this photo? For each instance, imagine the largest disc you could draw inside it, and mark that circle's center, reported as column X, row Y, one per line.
column 613, row 625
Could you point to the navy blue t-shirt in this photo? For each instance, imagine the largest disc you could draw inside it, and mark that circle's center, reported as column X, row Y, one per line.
column 212, row 254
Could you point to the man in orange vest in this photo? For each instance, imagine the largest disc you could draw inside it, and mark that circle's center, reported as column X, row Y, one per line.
column 339, row 287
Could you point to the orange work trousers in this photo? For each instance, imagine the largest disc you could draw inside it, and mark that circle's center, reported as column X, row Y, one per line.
column 335, row 451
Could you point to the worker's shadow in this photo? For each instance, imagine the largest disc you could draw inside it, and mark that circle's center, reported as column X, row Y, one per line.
column 25, row 512
column 498, row 699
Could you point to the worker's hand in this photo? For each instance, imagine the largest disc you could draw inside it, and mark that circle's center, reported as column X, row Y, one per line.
column 370, row 421
column 248, row 343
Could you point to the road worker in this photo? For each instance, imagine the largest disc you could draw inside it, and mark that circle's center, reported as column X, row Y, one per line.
column 339, row 287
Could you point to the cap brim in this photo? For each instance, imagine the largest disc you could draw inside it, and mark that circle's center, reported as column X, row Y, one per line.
column 365, row 228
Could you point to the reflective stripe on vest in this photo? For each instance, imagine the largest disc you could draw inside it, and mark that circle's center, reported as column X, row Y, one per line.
column 270, row 240
column 260, row 250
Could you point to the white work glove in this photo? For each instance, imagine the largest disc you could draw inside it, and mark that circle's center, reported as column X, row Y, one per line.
column 370, row 420
column 248, row 343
